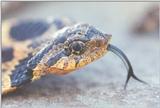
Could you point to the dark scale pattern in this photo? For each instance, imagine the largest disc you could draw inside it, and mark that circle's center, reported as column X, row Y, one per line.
column 7, row 54
column 22, row 74
column 28, row 29
column 32, row 63
column 56, row 57
column 60, row 38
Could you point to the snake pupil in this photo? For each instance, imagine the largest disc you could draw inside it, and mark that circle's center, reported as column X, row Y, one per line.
column 77, row 47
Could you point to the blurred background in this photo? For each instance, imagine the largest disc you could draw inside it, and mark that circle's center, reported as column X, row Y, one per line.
column 135, row 29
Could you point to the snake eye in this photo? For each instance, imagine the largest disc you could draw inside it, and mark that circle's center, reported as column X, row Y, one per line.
column 77, row 47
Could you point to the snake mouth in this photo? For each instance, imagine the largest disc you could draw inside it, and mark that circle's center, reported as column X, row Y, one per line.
column 127, row 63
column 107, row 38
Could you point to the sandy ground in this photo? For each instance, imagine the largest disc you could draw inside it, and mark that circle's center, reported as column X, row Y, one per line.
column 100, row 84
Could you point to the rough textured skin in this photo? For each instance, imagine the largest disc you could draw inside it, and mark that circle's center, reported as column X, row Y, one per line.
column 20, row 41
column 62, row 56
column 67, row 50
column 99, row 84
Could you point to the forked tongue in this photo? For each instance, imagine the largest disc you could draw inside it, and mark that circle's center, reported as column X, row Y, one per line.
column 125, row 60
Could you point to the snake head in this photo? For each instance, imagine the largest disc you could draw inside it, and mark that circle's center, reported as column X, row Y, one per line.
column 77, row 46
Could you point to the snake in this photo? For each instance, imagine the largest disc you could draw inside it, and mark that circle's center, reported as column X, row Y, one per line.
column 32, row 49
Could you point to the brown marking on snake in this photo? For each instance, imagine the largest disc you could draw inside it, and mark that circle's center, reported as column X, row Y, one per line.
column 73, row 48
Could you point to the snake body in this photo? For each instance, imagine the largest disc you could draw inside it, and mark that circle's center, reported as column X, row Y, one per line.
column 23, row 38
column 59, row 53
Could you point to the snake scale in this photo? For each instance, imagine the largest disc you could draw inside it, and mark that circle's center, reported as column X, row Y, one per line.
column 34, row 48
